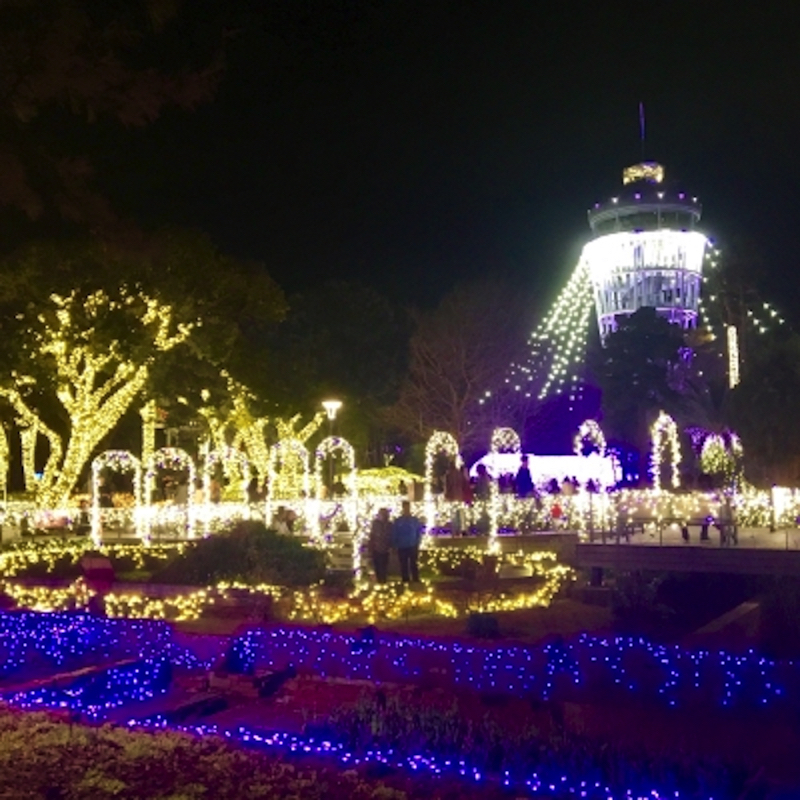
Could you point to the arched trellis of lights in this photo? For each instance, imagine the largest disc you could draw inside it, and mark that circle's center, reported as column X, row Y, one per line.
column 505, row 440
column 328, row 448
column 227, row 456
column 176, row 459
column 287, row 473
column 440, row 442
column 589, row 432
column 663, row 435
column 117, row 461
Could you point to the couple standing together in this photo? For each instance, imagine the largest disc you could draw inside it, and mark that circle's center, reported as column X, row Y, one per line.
column 404, row 535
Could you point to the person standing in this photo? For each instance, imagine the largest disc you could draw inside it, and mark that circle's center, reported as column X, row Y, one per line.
column 483, row 484
column 380, row 543
column 524, row 482
column 406, row 536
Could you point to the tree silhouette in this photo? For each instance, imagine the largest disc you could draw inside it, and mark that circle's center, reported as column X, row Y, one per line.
column 68, row 64
column 637, row 371
column 458, row 352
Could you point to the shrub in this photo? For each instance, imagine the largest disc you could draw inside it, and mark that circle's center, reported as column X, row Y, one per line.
column 250, row 553
column 42, row 758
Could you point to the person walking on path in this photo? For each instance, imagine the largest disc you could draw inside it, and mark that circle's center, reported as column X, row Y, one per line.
column 406, row 536
column 380, row 543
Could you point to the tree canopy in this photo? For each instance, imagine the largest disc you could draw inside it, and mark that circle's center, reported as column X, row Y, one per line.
column 67, row 63
column 457, row 352
column 636, row 371
column 89, row 330
column 759, row 407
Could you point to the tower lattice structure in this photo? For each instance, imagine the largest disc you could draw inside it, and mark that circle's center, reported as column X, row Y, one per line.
column 645, row 251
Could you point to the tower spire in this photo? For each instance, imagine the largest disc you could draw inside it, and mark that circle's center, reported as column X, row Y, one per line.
column 641, row 126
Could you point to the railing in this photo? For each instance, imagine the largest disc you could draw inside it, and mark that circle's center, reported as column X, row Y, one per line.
column 623, row 517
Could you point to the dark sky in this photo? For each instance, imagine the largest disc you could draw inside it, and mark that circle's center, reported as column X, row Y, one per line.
column 412, row 144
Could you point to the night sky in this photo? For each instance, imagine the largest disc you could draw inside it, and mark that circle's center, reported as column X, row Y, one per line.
column 409, row 145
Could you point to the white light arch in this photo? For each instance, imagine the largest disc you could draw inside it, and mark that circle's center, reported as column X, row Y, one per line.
column 327, row 448
column 225, row 456
column 169, row 458
column 589, row 431
column 118, row 461
column 505, row 440
column 440, row 442
column 292, row 480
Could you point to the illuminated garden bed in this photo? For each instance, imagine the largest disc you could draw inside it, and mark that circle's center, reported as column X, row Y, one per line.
column 404, row 734
column 364, row 602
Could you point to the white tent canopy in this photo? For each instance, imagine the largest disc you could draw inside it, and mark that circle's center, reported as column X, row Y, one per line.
column 603, row 470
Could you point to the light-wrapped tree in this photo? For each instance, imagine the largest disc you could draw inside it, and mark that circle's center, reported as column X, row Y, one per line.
column 89, row 356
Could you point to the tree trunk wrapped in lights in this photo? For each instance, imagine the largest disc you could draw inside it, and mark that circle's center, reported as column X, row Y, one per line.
column 94, row 351
column 149, row 413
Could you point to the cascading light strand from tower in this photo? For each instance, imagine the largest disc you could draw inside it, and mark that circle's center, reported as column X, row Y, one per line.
column 558, row 344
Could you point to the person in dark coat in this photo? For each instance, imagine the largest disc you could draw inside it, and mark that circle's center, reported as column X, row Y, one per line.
column 379, row 544
column 523, row 482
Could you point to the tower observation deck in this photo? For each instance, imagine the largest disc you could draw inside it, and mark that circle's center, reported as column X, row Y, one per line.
column 645, row 251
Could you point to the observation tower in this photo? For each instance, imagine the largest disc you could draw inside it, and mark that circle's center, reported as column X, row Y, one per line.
column 645, row 251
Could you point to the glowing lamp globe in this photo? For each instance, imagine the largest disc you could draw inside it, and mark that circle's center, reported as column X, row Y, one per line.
column 331, row 408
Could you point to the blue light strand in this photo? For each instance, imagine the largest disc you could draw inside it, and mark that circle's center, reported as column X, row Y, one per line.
column 93, row 695
column 669, row 674
column 547, row 780
column 33, row 641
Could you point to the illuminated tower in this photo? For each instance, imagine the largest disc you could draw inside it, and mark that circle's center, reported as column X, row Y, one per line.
column 645, row 251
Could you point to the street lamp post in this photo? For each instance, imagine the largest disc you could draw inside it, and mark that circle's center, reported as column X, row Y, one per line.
column 331, row 409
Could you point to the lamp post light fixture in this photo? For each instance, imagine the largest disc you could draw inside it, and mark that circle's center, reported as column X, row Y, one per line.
column 331, row 409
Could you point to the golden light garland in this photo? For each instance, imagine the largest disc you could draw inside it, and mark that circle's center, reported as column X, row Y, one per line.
column 370, row 602
column 4, row 457
column 663, row 434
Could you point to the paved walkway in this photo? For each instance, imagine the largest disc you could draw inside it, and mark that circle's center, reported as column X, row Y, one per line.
column 670, row 536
